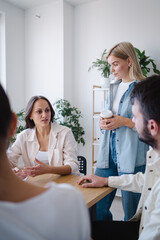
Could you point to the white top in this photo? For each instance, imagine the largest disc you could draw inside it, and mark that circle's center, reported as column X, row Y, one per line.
column 43, row 157
column 148, row 184
column 123, row 86
column 60, row 213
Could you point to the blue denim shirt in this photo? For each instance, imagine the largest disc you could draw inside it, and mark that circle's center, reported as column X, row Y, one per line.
column 131, row 152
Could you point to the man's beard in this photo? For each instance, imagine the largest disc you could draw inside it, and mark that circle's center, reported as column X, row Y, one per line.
column 147, row 138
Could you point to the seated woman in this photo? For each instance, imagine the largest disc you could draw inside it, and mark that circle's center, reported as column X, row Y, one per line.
column 45, row 146
column 33, row 212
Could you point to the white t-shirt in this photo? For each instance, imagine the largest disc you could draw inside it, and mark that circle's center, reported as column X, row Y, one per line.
column 60, row 213
column 43, row 157
column 123, row 86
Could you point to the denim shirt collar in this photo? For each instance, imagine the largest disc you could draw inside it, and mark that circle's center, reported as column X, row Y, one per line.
column 113, row 91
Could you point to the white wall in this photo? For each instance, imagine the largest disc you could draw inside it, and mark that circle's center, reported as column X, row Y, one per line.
column 68, row 22
column 43, row 51
column 48, row 45
column 100, row 25
column 2, row 50
column 14, row 41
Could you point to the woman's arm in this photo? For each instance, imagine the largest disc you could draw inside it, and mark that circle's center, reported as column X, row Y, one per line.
column 14, row 152
column 43, row 168
column 70, row 152
column 62, row 170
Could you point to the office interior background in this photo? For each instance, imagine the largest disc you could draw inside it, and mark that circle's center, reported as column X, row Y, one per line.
column 47, row 46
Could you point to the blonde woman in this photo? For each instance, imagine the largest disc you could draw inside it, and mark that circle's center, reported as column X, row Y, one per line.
column 121, row 151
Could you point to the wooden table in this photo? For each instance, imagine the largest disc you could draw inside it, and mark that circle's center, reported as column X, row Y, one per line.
column 91, row 195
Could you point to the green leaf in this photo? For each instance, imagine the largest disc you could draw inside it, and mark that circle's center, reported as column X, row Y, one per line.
column 69, row 116
column 156, row 71
column 144, row 61
column 102, row 65
column 144, row 71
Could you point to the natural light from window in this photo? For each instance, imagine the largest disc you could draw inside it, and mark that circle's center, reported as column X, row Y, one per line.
column 2, row 50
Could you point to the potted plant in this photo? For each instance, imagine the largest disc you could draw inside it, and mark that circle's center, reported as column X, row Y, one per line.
column 20, row 125
column 144, row 61
column 103, row 66
column 68, row 116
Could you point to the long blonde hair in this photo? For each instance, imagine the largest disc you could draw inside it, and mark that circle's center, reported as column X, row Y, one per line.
column 124, row 50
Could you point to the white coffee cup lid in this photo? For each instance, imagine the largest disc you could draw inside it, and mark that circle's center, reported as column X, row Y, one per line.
column 106, row 114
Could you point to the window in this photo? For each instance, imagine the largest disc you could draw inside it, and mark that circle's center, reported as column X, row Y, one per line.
column 2, row 51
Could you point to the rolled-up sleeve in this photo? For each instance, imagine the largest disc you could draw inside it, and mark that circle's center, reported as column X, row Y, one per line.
column 14, row 152
column 70, row 152
column 128, row 182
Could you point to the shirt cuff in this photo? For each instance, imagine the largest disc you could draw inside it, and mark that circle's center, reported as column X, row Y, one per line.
column 113, row 182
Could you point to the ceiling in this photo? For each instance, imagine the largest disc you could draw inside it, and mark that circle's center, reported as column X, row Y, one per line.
column 24, row 4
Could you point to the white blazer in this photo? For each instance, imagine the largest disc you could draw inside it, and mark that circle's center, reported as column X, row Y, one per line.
column 148, row 184
column 62, row 148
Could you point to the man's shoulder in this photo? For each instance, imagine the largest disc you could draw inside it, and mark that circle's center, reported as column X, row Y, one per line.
column 156, row 190
column 152, row 154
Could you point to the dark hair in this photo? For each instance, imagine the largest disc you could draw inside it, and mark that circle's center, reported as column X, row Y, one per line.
column 147, row 93
column 29, row 108
column 6, row 113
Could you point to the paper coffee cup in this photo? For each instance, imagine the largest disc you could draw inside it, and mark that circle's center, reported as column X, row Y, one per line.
column 106, row 114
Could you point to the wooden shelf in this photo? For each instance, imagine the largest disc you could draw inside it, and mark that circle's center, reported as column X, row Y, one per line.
column 95, row 117
column 96, row 144
column 101, row 89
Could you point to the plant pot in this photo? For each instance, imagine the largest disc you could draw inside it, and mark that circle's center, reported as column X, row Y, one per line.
column 104, row 82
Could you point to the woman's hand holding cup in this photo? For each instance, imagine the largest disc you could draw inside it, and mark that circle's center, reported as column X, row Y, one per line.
column 105, row 117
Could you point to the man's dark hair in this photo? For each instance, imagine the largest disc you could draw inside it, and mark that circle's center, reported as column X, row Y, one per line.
column 147, row 93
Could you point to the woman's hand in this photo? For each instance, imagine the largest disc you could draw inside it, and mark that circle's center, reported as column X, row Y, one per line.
column 41, row 168
column 115, row 122
column 93, row 181
column 19, row 173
